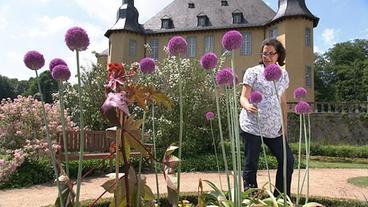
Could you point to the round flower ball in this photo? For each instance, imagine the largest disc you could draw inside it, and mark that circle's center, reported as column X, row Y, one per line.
column 302, row 108
column 232, row 40
column 147, row 65
column 61, row 73
column 210, row 116
column 76, row 38
column 272, row 72
column 177, row 45
column 255, row 97
column 209, row 61
column 56, row 61
column 225, row 77
column 34, row 60
column 300, row 93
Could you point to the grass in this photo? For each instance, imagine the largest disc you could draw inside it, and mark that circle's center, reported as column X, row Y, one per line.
column 337, row 162
column 359, row 181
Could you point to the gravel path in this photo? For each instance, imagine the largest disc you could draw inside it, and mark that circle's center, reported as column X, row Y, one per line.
column 323, row 182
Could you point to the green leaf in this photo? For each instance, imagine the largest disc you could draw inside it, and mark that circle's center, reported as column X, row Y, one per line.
column 313, row 204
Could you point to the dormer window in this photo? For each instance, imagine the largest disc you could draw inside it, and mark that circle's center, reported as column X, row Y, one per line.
column 191, row 5
column 224, row 3
column 202, row 20
column 238, row 18
column 167, row 23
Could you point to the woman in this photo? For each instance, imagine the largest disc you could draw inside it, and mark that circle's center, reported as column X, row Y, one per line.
column 272, row 52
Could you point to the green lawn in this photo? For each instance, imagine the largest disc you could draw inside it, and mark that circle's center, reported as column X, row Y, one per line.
column 337, row 162
column 359, row 181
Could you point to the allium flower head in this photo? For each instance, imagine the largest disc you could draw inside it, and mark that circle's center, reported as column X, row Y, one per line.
column 147, row 65
column 76, row 38
column 272, row 72
column 303, row 108
column 300, row 93
column 56, row 61
column 255, row 97
column 61, row 72
column 114, row 102
column 177, row 45
column 209, row 60
column 232, row 40
column 210, row 116
column 34, row 60
column 225, row 77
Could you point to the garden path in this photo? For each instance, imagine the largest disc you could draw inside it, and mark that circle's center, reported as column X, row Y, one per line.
column 323, row 182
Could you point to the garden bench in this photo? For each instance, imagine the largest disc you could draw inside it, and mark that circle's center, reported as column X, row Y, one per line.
column 96, row 146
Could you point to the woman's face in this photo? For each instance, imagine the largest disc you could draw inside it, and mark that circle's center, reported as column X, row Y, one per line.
column 269, row 55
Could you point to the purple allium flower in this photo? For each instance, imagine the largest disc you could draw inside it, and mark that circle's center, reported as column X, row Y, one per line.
column 300, row 93
column 255, row 97
column 272, row 72
column 114, row 101
column 232, row 40
column 61, row 72
column 210, row 116
column 34, row 60
column 147, row 65
column 76, row 38
column 209, row 60
column 225, row 77
column 303, row 108
column 56, row 61
column 177, row 45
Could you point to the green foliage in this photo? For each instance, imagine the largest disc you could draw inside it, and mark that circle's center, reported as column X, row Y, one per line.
column 342, row 73
column 335, row 150
column 31, row 172
column 93, row 96
column 6, row 88
column 359, row 181
column 48, row 87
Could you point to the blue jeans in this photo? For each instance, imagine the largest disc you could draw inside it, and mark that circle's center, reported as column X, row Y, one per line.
column 252, row 150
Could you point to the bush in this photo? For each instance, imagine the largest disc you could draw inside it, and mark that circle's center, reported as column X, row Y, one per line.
column 334, row 150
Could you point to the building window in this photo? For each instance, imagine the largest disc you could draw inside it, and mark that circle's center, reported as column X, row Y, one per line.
column 192, row 46
column 308, row 76
column 224, row 3
column 238, row 18
column 246, row 48
column 154, row 48
column 273, row 33
column 202, row 20
column 166, row 23
column 110, row 45
column 191, row 5
column 209, row 43
column 308, row 37
column 132, row 48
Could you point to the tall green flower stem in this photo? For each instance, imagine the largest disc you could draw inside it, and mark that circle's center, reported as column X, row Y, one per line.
column 181, row 120
column 49, row 143
column 264, row 152
column 81, row 128
column 138, row 203
column 60, row 83
column 221, row 134
column 236, row 129
column 230, row 118
column 214, row 147
column 155, row 152
column 307, row 146
column 299, row 156
column 283, row 142
column 126, row 162
column 117, row 164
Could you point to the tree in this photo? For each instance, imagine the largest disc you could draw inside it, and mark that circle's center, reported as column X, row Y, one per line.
column 48, row 87
column 342, row 72
column 6, row 88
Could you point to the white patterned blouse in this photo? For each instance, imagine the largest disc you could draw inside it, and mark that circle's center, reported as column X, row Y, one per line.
column 269, row 108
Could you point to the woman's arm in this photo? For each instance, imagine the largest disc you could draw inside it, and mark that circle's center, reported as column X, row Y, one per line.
column 284, row 113
column 244, row 99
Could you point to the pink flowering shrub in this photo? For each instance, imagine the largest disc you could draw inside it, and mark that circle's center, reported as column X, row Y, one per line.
column 23, row 133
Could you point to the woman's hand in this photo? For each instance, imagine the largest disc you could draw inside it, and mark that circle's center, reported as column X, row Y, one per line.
column 251, row 108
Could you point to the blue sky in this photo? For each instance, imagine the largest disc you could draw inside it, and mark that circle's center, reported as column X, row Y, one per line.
column 41, row 24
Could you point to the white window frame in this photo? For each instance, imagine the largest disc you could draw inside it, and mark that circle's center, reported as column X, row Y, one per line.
column 308, row 76
column 308, row 37
column 192, row 46
column 132, row 48
column 154, row 44
column 209, row 43
column 273, row 33
column 246, row 48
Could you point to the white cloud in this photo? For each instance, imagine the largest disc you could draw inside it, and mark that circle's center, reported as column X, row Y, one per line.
column 3, row 23
column 317, row 49
column 328, row 36
column 102, row 10
column 49, row 26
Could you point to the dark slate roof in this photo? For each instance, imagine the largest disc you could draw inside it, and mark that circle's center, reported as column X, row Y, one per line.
column 256, row 13
column 127, row 19
column 292, row 8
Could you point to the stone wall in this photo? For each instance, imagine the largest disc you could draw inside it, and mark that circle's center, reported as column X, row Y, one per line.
column 330, row 128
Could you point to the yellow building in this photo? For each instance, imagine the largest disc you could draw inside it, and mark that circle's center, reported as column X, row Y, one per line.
column 203, row 23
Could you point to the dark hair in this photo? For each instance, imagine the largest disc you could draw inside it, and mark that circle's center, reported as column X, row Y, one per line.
column 281, row 52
